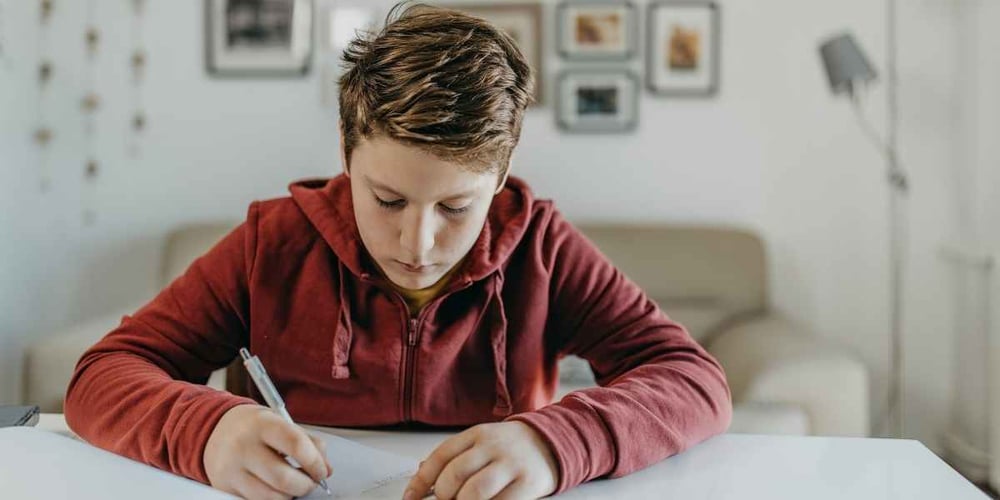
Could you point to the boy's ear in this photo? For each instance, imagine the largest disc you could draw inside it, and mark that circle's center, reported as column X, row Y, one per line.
column 503, row 181
column 343, row 156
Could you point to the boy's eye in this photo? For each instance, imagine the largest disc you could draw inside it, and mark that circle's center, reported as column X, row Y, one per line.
column 390, row 204
column 454, row 211
column 397, row 204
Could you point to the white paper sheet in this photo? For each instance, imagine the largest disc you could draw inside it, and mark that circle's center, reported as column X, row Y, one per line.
column 361, row 471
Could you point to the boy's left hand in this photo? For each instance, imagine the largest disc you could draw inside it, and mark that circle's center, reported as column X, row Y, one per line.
column 498, row 460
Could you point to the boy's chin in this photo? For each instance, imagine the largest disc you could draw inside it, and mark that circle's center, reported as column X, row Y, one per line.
column 414, row 282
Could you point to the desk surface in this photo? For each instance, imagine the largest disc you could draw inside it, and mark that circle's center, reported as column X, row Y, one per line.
column 741, row 466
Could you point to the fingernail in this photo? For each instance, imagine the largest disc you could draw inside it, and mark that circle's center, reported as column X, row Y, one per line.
column 410, row 495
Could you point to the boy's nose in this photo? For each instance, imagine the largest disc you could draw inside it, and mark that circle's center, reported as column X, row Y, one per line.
column 417, row 239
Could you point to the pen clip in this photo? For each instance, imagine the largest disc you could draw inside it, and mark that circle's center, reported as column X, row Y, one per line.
column 263, row 382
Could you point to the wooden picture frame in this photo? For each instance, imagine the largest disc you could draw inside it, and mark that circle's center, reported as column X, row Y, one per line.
column 523, row 22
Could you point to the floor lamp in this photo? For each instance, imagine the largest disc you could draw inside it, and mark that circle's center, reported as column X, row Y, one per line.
column 849, row 73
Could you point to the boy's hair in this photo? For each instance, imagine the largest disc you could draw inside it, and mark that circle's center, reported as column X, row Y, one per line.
column 449, row 83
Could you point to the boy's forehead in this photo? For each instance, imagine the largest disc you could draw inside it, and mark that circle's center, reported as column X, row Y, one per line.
column 433, row 190
column 410, row 172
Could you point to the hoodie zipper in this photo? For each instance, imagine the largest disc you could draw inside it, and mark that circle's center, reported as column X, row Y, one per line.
column 411, row 342
column 412, row 336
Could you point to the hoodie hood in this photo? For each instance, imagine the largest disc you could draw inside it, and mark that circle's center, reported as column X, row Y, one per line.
column 328, row 205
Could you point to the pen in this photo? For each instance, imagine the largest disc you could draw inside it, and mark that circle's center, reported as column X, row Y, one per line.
column 271, row 396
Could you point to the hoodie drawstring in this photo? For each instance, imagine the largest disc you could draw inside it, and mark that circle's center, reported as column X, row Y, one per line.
column 344, row 333
column 498, row 340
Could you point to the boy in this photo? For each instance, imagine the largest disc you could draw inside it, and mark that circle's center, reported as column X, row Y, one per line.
column 423, row 286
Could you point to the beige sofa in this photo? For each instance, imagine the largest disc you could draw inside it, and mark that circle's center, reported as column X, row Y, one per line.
column 713, row 280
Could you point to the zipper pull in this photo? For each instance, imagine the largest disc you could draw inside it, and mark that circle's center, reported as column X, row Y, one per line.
column 411, row 338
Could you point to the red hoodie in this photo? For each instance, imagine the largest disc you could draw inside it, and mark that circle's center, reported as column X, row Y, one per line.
column 295, row 285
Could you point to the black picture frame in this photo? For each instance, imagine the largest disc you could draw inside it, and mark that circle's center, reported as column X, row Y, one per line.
column 224, row 61
column 653, row 39
column 630, row 26
column 592, row 124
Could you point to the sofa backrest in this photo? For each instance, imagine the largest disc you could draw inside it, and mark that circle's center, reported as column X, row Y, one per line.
column 187, row 243
column 701, row 276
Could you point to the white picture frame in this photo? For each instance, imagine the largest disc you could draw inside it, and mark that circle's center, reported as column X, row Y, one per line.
column 263, row 38
column 597, row 101
column 597, row 30
column 683, row 50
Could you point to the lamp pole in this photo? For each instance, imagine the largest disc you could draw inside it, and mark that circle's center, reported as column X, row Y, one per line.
column 849, row 71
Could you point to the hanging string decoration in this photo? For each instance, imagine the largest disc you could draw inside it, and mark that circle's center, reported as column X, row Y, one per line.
column 90, row 103
column 43, row 134
column 137, row 62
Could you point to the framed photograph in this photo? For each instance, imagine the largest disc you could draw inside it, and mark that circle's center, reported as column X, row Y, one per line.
column 597, row 30
column 337, row 26
column 523, row 22
column 258, row 37
column 341, row 24
column 597, row 101
column 683, row 49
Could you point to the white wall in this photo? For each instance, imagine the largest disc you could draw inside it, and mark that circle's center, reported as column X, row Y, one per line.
column 773, row 151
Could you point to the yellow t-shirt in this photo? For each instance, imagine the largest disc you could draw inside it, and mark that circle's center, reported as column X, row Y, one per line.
column 416, row 299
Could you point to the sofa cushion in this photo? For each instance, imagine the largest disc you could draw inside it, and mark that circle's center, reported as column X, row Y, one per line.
column 678, row 265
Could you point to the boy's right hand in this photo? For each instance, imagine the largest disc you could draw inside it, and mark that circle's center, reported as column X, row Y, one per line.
column 245, row 455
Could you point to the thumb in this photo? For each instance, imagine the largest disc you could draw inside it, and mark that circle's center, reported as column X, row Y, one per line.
column 321, row 446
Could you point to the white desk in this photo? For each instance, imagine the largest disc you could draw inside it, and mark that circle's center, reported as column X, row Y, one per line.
column 741, row 466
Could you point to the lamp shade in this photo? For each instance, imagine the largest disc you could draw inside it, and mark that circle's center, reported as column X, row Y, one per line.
column 846, row 65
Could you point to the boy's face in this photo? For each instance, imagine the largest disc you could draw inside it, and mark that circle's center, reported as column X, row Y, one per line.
column 418, row 215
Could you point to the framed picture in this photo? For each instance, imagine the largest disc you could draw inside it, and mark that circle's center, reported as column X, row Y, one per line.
column 597, row 101
column 597, row 30
column 258, row 37
column 523, row 22
column 337, row 26
column 683, row 51
column 341, row 24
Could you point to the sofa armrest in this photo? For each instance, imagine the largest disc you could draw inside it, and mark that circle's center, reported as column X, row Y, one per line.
column 771, row 359
column 49, row 362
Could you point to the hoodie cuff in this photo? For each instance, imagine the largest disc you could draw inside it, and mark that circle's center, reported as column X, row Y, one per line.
column 199, row 421
column 577, row 437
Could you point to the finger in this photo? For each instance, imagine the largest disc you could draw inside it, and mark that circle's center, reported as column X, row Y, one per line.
column 517, row 490
column 431, row 467
column 321, row 446
column 251, row 487
column 291, row 440
column 487, row 482
column 271, row 468
column 460, row 469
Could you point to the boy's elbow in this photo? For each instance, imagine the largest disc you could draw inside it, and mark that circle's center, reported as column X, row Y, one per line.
column 79, row 399
column 720, row 398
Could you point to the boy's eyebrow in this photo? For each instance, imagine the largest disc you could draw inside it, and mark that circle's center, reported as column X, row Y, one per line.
column 383, row 187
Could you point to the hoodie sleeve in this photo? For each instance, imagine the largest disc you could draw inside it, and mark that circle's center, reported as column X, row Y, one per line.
column 140, row 391
column 660, row 392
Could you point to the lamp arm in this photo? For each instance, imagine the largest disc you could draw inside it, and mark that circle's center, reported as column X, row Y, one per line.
column 897, row 176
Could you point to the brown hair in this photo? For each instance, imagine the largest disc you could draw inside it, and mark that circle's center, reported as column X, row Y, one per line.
column 449, row 83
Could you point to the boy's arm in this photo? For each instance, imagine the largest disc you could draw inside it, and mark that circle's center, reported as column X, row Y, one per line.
column 139, row 391
column 660, row 391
